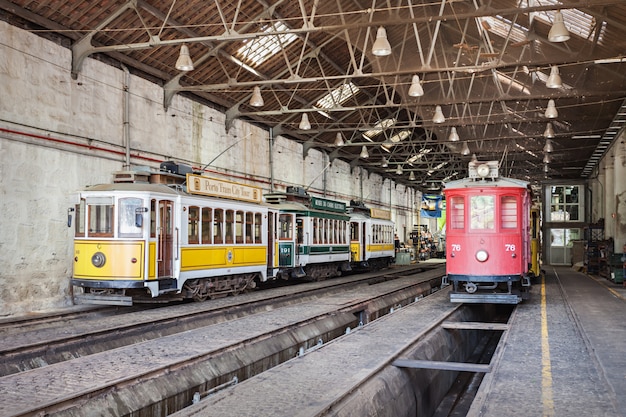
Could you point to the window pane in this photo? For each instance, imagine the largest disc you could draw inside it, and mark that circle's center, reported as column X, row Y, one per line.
column 482, row 212
column 153, row 218
column 457, row 213
column 206, row 225
column 508, row 211
column 129, row 208
column 239, row 219
column 354, row 231
column 218, row 225
column 79, row 222
column 286, row 226
column 193, row 225
column 229, row 226
column 249, row 224
column 101, row 220
column 258, row 222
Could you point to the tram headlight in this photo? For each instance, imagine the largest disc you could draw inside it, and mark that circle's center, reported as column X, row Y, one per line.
column 482, row 255
column 98, row 259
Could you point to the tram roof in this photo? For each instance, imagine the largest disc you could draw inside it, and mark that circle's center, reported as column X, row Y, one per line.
column 501, row 182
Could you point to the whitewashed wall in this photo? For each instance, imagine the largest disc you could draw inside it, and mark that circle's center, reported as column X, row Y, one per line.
column 58, row 135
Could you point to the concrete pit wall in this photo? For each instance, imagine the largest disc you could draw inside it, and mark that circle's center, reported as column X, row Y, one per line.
column 397, row 392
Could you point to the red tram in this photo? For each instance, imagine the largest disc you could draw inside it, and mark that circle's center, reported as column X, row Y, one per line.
column 488, row 237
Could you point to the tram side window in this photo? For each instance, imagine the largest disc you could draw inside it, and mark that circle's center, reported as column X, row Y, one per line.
column 354, row 232
column 316, row 231
column 129, row 208
column 153, row 218
column 249, row 224
column 258, row 222
column 286, row 226
column 193, row 224
column 239, row 222
column 229, row 221
column 206, row 225
column 218, row 226
column 482, row 212
column 300, row 231
column 79, row 223
column 100, row 220
column 508, row 212
column 457, row 213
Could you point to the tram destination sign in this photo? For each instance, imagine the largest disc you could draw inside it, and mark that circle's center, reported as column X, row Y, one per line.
column 213, row 187
column 328, row 205
column 380, row 214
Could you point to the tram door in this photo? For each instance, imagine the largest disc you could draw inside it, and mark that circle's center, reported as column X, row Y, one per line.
column 165, row 239
column 286, row 244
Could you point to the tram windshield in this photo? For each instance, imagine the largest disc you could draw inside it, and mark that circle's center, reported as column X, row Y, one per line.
column 482, row 209
column 97, row 213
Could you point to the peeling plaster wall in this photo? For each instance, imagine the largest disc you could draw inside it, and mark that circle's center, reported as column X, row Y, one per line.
column 609, row 193
column 58, row 135
column 619, row 221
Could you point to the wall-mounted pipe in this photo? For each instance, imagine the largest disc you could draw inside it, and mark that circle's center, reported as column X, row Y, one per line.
column 126, row 116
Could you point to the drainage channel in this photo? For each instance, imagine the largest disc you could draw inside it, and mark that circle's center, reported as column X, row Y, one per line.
column 425, row 359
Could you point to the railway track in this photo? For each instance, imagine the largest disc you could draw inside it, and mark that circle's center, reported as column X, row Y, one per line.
column 433, row 369
column 34, row 343
column 278, row 331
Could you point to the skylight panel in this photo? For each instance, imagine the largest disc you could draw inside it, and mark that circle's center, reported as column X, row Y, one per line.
column 338, row 96
column 258, row 50
column 400, row 136
column 378, row 128
column 506, row 28
column 576, row 21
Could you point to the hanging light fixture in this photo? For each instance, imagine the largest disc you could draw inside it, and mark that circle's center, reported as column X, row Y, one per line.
column 364, row 153
column 465, row 150
column 381, row 45
column 412, row 176
column 438, row 117
column 545, row 168
column 454, row 136
column 549, row 132
column 304, row 123
column 184, row 62
column 474, row 158
column 399, row 170
column 551, row 111
column 339, row 140
column 554, row 80
column 548, row 146
column 558, row 31
column 256, row 100
column 546, row 158
column 416, row 89
column 384, row 163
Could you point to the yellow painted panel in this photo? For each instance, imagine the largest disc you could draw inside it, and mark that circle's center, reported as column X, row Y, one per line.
column 380, row 247
column 123, row 260
column 211, row 257
column 355, row 249
column 152, row 260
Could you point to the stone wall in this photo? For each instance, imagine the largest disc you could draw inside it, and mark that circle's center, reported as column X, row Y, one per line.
column 58, row 135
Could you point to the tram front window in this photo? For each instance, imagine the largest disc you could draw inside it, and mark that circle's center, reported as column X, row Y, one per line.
column 129, row 209
column 100, row 216
column 482, row 212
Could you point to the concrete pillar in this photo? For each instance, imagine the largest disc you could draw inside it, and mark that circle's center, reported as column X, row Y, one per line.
column 619, row 208
column 609, row 194
column 598, row 204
